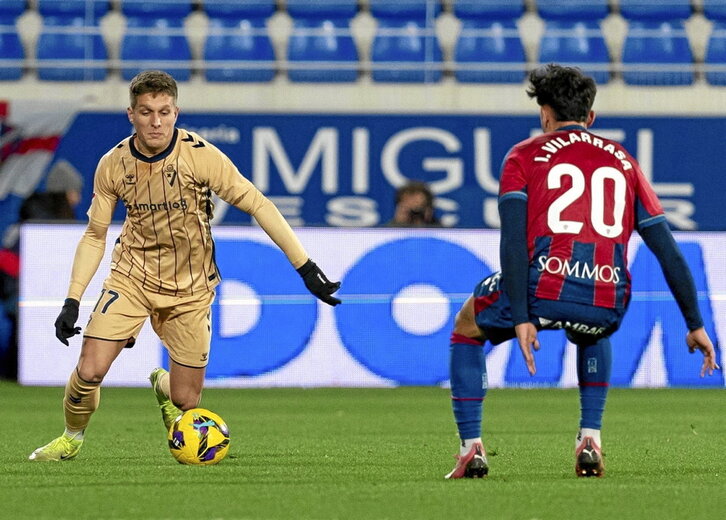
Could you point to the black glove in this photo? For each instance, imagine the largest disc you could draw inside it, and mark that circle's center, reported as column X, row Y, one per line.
column 318, row 284
column 66, row 320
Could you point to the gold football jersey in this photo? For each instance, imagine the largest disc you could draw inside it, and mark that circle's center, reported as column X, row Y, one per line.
column 166, row 240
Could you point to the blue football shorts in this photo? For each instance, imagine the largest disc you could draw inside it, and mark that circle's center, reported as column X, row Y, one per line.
column 583, row 324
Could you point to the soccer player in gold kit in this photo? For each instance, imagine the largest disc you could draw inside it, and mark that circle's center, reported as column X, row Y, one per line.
column 163, row 264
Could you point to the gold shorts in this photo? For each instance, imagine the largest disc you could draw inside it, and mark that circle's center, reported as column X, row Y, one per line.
column 183, row 323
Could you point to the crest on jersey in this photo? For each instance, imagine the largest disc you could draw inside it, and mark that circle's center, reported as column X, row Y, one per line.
column 170, row 174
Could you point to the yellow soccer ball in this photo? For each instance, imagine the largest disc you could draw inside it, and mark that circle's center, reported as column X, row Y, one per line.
column 199, row 437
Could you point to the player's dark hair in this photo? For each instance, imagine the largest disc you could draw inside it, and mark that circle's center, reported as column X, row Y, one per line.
column 154, row 81
column 412, row 187
column 568, row 91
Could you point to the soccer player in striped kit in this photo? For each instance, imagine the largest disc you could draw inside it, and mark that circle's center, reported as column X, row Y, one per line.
column 569, row 201
column 163, row 264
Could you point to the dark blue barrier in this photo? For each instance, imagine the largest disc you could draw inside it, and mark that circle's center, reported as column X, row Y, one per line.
column 342, row 170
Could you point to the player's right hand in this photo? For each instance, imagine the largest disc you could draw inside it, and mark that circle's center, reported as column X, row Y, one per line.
column 527, row 339
column 66, row 321
column 698, row 339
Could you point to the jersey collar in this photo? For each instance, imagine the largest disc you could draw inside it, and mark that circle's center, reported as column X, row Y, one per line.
column 572, row 127
column 158, row 157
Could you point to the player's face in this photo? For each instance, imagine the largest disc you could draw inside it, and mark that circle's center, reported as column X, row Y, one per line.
column 153, row 117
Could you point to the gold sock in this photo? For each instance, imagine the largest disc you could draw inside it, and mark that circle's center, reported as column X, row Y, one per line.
column 80, row 401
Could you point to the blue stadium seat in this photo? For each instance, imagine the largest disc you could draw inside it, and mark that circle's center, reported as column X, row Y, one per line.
column 573, row 36
column 655, row 9
column 656, row 49
column 657, row 52
column 715, row 58
column 489, row 52
column 714, row 9
column 70, row 33
column 576, row 43
column 155, row 38
column 321, row 35
column 405, row 48
column 237, row 47
column 489, row 9
column 573, row 10
column 489, row 49
column 11, row 48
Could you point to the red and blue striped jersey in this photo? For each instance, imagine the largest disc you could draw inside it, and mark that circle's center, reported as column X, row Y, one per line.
column 585, row 196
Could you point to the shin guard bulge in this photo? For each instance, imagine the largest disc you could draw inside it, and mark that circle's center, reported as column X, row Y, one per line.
column 80, row 401
column 593, row 374
column 468, row 384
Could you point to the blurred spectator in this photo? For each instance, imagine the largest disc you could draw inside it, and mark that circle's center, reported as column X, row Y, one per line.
column 46, row 206
column 414, row 206
column 9, row 270
column 62, row 194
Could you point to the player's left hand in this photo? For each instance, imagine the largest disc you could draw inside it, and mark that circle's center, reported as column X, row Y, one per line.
column 317, row 283
column 698, row 340
column 527, row 338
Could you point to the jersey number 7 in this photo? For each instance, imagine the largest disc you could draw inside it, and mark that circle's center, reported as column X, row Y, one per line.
column 113, row 297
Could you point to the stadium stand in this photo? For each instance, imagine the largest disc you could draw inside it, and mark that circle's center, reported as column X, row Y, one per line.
column 489, row 49
column 715, row 58
column 71, row 35
column 237, row 46
column 657, row 50
column 321, row 37
column 11, row 49
column 405, row 48
column 155, row 38
column 641, row 42
column 573, row 35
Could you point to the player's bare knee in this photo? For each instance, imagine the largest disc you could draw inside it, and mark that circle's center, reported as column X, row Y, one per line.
column 464, row 325
column 91, row 374
column 459, row 321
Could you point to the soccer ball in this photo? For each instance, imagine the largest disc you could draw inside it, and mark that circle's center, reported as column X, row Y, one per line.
column 198, row 436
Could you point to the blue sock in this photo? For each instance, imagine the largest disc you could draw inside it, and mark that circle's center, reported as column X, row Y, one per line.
column 593, row 373
column 468, row 384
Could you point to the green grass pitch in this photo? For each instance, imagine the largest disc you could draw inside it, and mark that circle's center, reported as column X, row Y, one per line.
column 370, row 454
